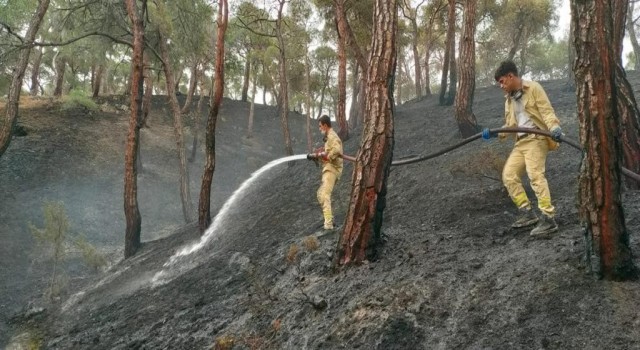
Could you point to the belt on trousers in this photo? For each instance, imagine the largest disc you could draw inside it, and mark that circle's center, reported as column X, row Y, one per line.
column 520, row 137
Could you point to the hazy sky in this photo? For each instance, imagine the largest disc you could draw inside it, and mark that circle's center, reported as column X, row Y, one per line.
column 564, row 17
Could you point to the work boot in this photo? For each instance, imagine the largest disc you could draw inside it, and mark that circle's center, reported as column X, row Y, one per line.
column 526, row 217
column 546, row 226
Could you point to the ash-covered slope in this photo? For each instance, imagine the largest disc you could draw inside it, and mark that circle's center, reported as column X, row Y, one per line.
column 451, row 274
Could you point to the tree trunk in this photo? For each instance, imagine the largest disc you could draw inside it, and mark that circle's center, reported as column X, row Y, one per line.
column 355, row 89
column 628, row 109
column 97, row 81
column 185, row 192
column 131, row 211
column 465, row 118
column 369, row 181
column 35, row 72
column 362, row 100
column 516, row 42
column 11, row 113
column 323, row 91
column 307, row 88
column 599, row 115
column 345, row 30
column 453, row 73
column 178, row 79
column 252, row 109
column 398, row 77
column 341, row 115
column 204, row 207
column 416, row 55
column 60, row 67
column 451, row 35
column 193, row 83
column 284, row 85
column 196, row 119
column 245, row 83
column 148, row 91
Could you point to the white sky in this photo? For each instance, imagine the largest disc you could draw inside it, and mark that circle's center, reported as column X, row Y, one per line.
column 564, row 19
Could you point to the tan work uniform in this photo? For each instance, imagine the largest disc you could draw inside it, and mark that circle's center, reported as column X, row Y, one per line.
column 331, row 172
column 530, row 151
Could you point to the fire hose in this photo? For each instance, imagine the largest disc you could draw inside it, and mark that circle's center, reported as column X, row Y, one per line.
column 416, row 159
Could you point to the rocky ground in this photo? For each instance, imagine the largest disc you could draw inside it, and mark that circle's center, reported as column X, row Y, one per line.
column 450, row 275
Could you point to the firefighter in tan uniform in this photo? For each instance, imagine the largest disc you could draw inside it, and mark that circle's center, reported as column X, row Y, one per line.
column 331, row 158
column 527, row 106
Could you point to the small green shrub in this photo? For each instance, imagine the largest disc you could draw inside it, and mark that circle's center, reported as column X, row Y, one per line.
column 54, row 240
column 78, row 98
column 90, row 254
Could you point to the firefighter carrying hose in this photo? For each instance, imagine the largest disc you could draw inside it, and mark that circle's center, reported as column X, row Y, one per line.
column 331, row 158
column 528, row 106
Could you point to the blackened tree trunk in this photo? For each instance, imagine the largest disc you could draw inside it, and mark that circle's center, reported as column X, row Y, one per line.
column 35, row 72
column 465, row 118
column 204, row 206
column 599, row 115
column 371, row 171
column 451, row 36
column 283, row 99
column 341, row 113
column 131, row 210
column 11, row 113
column 185, row 192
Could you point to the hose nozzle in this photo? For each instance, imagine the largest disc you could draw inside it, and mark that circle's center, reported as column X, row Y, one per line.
column 314, row 158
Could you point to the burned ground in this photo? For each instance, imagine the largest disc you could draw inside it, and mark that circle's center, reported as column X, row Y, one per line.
column 450, row 275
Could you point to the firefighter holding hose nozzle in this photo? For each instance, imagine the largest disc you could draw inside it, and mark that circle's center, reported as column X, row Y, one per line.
column 330, row 156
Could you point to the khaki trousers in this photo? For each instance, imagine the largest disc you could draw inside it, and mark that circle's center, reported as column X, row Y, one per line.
column 529, row 154
column 329, row 179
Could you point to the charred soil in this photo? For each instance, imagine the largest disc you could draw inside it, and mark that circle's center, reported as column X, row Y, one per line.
column 451, row 273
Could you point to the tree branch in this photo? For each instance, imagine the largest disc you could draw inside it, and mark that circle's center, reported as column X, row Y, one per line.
column 10, row 31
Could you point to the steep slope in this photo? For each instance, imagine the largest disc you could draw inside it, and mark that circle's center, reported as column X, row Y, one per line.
column 451, row 274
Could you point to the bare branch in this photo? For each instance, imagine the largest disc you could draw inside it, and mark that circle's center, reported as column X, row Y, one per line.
column 246, row 26
column 10, row 31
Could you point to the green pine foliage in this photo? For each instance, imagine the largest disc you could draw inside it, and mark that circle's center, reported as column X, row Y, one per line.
column 78, row 99
column 55, row 241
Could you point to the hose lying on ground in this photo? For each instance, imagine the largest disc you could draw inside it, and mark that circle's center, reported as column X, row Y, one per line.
column 563, row 139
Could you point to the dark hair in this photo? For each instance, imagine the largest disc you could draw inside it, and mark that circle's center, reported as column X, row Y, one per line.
column 505, row 68
column 325, row 120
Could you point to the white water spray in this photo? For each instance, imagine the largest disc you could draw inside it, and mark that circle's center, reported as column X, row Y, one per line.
column 219, row 220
